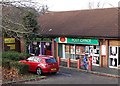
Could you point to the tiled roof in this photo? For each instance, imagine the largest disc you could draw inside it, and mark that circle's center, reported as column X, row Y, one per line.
column 82, row 23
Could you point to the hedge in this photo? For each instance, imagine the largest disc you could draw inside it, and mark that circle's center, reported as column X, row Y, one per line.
column 13, row 55
column 23, row 68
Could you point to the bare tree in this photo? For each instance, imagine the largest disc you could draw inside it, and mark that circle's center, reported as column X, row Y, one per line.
column 13, row 17
column 93, row 5
column 99, row 4
column 19, row 19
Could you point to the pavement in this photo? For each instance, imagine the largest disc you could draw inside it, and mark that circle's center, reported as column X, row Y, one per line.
column 107, row 71
column 102, row 71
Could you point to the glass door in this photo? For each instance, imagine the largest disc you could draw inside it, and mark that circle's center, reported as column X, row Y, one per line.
column 113, row 56
column 119, row 57
column 95, row 53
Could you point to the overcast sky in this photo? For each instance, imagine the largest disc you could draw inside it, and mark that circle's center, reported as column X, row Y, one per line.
column 65, row 5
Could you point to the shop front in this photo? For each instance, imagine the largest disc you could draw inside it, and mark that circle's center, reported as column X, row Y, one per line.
column 114, row 53
column 75, row 48
column 41, row 46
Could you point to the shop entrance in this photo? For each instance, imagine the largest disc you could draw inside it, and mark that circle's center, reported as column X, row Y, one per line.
column 40, row 48
column 119, row 57
column 76, row 51
column 114, row 56
column 94, row 52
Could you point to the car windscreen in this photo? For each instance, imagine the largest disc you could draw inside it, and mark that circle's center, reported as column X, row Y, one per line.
column 51, row 60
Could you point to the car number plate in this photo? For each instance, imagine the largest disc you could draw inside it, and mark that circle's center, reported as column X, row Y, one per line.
column 53, row 69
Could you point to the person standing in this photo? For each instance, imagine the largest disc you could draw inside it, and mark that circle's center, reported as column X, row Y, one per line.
column 36, row 51
column 85, row 63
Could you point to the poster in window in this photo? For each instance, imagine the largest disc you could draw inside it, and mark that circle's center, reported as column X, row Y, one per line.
column 72, row 49
column 103, row 49
column 113, row 51
column 77, row 49
column 82, row 49
column 87, row 49
column 66, row 48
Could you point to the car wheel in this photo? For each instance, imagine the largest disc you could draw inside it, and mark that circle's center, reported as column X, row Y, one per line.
column 39, row 71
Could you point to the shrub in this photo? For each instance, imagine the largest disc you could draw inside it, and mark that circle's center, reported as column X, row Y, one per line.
column 0, row 58
column 10, row 59
column 12, row 55
column 22, row 68
column 6, row 63
column 23, row 56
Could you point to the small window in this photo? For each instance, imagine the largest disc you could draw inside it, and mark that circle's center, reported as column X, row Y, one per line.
column 51, row 60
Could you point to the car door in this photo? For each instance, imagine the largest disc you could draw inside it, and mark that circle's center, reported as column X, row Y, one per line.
column 30, row 63
column 35, row 63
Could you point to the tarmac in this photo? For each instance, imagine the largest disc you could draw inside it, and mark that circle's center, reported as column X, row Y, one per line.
column 101, row 71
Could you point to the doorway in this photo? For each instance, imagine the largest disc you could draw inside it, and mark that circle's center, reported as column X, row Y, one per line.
column 43, row 48
column 114, row 53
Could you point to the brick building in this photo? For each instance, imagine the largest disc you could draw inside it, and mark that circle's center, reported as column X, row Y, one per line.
column 95, row 32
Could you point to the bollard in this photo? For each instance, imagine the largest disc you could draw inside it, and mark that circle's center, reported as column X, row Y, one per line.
column 78, row 63
column 59, row 60
column 68, row 62
column 90, row 63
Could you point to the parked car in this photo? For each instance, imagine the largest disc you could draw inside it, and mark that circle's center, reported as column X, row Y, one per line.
column 42, row 64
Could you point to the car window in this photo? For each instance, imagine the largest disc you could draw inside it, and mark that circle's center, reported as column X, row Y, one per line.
column 30, row 58
column 51, row 60
column 37, row 59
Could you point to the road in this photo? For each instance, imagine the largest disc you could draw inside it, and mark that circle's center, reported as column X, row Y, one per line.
column 71, row 76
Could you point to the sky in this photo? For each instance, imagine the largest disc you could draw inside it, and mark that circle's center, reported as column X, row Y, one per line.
column 67, row 5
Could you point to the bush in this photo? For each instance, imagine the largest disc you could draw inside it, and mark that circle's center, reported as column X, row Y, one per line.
column 10, row 59
column 13, row 55
column 0, row 58
column 23, row 56
column 22, row 68
column 6, row 63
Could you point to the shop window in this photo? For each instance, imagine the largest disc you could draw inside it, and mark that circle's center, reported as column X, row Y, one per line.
column 77, row 56
column 114, row 56
column 113, row 51
column 40, row 48
column 87, row 49
column 96, row 50
column 113, row 62
column 119, row 57
column 72, row 51
column 67, row 51
column 94, row 47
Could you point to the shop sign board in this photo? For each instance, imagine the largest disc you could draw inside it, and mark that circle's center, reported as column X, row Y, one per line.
column 9, row 40
column 42, row 39
column 12, row 46
column 78, row 41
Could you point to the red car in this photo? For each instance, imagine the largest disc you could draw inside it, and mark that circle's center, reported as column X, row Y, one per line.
column 42, row 64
